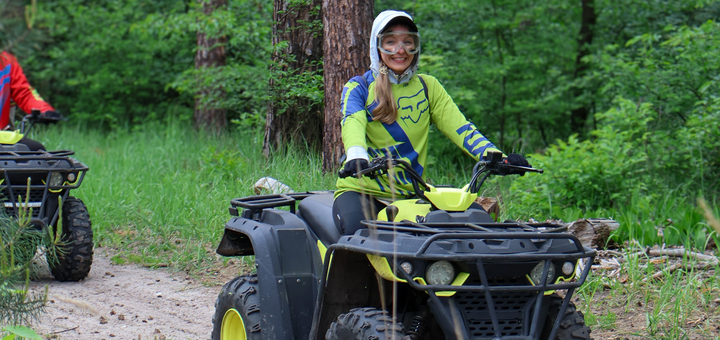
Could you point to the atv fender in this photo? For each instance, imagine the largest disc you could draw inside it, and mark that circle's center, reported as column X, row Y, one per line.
column 286, row 261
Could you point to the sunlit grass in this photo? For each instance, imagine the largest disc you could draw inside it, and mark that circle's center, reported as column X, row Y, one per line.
column 160, row 196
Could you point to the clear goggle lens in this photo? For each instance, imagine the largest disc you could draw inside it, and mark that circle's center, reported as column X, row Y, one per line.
column 391, row 42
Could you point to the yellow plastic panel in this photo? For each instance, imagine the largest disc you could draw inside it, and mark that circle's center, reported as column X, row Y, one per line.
column 451, row 199
column 10, row 137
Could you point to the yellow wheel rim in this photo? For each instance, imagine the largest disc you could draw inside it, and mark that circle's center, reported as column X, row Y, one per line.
column 233, row 327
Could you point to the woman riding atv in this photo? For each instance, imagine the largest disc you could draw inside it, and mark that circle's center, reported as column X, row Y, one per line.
column 388, row 110
column 14, row 87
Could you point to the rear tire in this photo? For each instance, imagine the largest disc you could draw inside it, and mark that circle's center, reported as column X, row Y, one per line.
column 365, row 324
column 75, row 258
column 572, row 326
column 237, row 310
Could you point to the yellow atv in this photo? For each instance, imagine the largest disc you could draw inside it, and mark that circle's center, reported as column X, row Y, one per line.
column 430, row 267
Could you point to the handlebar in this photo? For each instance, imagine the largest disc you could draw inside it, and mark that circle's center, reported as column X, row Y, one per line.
column 36, row 117
column 492, row 165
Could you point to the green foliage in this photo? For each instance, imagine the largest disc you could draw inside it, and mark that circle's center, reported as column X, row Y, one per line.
column 17, row 28
column 120, row 63
column 603, row 173
column 19, row 241
column 239, row 86
column 20, row 331
column 102, row 67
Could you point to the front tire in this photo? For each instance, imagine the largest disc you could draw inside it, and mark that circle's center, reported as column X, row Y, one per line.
column 75, row 258
column 237, row 310
column 572, row 326
column 365, row 324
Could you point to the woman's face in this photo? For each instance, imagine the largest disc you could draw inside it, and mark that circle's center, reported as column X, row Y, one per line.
column 401, row 60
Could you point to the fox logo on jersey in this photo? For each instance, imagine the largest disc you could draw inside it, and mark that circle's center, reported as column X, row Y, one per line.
column 410, row 109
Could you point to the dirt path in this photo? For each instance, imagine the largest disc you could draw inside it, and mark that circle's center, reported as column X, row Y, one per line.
column 126, row 302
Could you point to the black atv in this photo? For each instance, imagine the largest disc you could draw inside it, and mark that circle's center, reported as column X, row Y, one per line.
column 36, row 186
column 435, row 266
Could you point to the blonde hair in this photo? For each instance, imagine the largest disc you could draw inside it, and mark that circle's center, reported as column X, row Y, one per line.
column 386, row 110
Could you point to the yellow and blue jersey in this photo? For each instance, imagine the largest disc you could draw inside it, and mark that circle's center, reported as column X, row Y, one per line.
column 407, row 137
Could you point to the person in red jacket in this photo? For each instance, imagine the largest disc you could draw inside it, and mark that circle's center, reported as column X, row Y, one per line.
column 14, row 87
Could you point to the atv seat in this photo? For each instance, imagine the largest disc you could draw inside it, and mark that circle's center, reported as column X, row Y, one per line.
column 316, row 210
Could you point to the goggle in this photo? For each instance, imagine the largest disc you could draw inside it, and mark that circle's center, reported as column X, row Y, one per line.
column 391, row 42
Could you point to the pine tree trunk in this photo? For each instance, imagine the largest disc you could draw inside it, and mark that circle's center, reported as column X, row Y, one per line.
column 208, row 55
column 347, row 26
column 579, row 115
column 291, row 117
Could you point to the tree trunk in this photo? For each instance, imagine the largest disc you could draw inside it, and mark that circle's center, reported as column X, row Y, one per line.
column 210, row 53
column 291, row 117
column 347, row 27
column 503, row 97
column 579, row 115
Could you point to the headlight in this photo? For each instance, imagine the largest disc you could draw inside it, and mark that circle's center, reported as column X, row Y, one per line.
column 568, row 268
column 407, row 267
column 71, row 177
column 536, row 273
column 56, row 179
column 440, row 273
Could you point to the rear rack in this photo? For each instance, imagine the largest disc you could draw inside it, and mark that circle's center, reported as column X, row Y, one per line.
column 257, row 203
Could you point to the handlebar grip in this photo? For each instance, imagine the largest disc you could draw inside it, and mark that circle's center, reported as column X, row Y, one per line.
column 342, row 173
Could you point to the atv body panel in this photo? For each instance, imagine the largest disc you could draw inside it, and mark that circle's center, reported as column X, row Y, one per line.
column 287, row 261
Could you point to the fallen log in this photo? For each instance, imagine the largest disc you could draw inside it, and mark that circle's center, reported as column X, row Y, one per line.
column 594, row 232
column 490, row 204
column 682, row 252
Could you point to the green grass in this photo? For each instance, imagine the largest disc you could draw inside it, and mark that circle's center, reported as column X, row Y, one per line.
column 682, row 304
column 160, row 196
column 672, row 219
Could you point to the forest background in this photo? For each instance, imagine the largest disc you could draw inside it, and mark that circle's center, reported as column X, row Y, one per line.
column 616, row 100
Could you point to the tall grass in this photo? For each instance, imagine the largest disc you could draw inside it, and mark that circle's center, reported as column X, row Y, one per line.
column 160, row 196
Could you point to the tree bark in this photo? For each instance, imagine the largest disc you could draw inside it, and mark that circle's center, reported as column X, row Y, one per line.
column 210, row 53
column 347, row 26
column 296, row 118
column 503, row 97
column 579, row 115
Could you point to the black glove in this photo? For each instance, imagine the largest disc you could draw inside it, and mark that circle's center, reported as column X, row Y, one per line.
column 354, row 166
column 52, row 115
column 517, row 160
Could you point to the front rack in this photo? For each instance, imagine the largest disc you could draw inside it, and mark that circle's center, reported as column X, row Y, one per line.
column 575, row 251
column 17, row 166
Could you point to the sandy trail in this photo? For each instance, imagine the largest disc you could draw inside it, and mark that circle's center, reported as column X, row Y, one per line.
column 126, row 302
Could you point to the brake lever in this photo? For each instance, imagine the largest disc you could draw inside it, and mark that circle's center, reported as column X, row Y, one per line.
column 522, row 168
